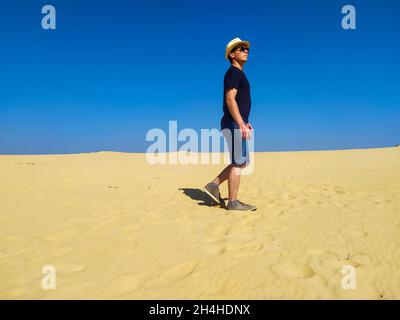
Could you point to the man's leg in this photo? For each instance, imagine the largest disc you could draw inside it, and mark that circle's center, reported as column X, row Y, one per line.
column 240, row 156
column 230, row 173
column 224, row 175
column 234, row 182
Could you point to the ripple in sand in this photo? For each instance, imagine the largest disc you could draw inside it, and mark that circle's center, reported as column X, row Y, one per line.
column 292, row 269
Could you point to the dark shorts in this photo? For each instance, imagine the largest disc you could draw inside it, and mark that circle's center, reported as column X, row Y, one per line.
column 237, row 145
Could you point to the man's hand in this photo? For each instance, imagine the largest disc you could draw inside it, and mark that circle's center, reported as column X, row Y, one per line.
column 245, row 130
column 250, row 129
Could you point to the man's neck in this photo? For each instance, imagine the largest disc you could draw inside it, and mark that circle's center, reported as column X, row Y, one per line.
column 237, row 65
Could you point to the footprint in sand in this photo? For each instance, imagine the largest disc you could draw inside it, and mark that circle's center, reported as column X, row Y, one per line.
column 246, row 249
column 330, row 261
column 363, row 260
column 213, row 242
column 292, row 269
column 349, row 233
column 243, row 244
column 180, row 271
column 123, row 284
column 173, row 274
column 334, row 263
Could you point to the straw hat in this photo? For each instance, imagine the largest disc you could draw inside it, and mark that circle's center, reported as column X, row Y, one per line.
column 233, row 43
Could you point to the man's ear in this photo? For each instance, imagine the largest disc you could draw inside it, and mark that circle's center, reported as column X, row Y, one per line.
column 232, row 54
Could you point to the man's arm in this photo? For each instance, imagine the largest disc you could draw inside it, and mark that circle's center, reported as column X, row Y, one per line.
column 234, row 111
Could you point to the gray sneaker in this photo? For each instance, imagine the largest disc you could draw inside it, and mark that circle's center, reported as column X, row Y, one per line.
column 212, row 190
column 240, row 206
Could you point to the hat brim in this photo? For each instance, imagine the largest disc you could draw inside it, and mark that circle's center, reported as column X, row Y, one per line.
column 229, row 49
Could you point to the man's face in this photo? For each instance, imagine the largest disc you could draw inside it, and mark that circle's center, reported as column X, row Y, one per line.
column 240, row 53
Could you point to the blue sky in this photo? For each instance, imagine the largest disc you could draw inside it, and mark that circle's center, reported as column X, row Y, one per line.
column 112, row 70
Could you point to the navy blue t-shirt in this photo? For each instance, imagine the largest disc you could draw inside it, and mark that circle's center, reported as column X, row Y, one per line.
column 235, row 78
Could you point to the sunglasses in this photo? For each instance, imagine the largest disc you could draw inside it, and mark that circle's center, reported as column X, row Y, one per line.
column 242, row 49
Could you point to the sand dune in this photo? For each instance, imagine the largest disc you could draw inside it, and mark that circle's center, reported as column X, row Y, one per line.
column 115, row 227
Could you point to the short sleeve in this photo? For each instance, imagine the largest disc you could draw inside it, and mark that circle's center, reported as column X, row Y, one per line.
column 232, row 79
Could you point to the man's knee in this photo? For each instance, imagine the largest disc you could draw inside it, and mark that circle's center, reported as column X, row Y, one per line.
column 241, row 166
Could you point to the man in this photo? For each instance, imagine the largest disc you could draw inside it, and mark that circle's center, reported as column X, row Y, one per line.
column 234, row 125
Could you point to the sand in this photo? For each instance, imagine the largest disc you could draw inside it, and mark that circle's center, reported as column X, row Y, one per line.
column 115, row 227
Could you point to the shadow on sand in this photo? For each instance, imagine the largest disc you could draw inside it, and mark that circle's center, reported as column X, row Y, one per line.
column 202, row 198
